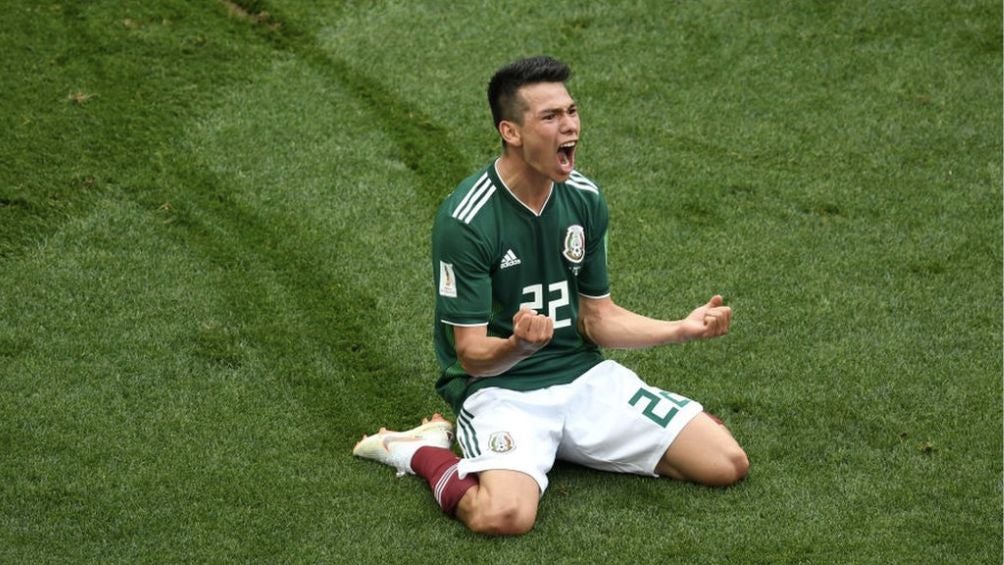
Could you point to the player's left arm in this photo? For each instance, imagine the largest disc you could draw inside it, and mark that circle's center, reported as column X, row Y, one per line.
column 608, row 325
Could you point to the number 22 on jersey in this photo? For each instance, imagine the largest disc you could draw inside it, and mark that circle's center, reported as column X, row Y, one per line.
column 557, row 294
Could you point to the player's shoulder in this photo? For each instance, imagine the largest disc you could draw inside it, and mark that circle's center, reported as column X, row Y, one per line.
column 580, row 190
column 470, row 198
column 581, row 182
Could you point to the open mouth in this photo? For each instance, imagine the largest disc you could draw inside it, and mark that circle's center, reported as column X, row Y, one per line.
column 566, row 157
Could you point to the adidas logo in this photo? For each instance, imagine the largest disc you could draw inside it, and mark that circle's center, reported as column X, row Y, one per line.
column 509, row 260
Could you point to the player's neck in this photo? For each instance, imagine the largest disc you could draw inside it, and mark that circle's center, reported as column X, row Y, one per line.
column 525, row 183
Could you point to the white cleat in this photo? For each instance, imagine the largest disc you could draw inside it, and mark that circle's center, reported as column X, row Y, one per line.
column 397, row 448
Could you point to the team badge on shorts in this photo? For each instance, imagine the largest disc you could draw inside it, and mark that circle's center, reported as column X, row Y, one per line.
column 501, row 442
column 575, row 244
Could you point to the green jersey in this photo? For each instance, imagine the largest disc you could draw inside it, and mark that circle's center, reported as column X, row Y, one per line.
column 492, row 255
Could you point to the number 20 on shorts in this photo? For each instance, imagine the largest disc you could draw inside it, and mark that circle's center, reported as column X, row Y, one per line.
column 653, row 400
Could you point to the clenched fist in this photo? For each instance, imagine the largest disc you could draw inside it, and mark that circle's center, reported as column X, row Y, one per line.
column 708, row 321
column 531, row 330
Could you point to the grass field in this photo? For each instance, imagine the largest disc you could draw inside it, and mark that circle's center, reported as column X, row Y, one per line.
column 215, row 274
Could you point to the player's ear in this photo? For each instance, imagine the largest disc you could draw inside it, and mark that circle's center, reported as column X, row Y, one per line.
column 510, row 133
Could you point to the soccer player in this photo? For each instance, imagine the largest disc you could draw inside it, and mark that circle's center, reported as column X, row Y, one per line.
column 523, row 305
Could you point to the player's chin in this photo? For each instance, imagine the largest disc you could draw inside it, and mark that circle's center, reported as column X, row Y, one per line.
column 561, row 174
column 556, row 172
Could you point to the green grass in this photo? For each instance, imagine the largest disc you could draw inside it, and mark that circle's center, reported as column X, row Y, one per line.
column 214, row 272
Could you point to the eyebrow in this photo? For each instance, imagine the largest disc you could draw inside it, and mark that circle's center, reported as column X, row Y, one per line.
column 557, row 109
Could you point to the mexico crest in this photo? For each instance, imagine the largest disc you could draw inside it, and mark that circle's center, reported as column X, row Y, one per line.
column 575, row 244
column 501, row 442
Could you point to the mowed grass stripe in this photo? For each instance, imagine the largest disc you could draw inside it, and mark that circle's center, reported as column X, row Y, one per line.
column 330, row 317
column 230, row 231
column 424, row 145
column 174, row 392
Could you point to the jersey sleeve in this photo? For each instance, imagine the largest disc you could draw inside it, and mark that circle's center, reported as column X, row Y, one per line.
column 461, row 266
column 593, row 279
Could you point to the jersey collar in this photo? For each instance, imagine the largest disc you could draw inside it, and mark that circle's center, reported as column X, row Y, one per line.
column 494, row 171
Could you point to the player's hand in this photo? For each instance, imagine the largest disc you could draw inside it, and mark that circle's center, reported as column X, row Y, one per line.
column 708, row 321
column 531, row 330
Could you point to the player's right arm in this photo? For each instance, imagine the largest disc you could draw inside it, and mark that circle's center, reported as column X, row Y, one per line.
column 484, row 356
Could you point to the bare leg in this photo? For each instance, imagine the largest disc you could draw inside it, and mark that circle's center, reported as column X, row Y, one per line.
column 504, row 503
column 498, row 503
column 706, row 453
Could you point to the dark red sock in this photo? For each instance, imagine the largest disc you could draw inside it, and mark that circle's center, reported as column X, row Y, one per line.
column 438, row 465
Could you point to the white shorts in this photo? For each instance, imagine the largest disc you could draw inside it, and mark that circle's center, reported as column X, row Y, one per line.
column 607, row 419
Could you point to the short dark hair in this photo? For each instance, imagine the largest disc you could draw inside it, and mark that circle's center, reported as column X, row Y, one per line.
column 509, row 79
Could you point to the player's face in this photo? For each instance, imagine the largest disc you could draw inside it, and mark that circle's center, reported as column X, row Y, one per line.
column 550, row 129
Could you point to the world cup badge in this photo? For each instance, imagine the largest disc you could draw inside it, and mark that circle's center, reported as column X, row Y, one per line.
column 447, row 280
column 575, row 244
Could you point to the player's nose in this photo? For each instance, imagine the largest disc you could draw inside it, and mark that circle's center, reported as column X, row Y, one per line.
column 569, row 123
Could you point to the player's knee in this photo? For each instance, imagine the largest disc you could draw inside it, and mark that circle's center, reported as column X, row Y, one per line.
column 506, row 519
column 729, row 468
column 740, row 465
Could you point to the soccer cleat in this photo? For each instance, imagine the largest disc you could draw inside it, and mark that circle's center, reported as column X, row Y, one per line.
column 397, row 448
